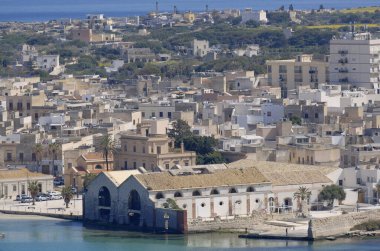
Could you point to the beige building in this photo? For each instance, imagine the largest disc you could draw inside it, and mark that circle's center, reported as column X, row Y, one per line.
column 292, row 73
column 14, row 182
column 150, row 151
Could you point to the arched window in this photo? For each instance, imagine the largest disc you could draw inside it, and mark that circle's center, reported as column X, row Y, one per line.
column 104, row 197
column 250, row 189
column 214, row 191
column 271, row 204
column 98, row 167
column 232, row 190
column 196, row 193
column 134, row 200
column 177, row 194
column 159, row 196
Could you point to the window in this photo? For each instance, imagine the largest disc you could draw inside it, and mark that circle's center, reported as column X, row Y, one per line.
column 306, row 116
column 177, row 194
column 232, row 190
column 21, row 156
column 158, row 149
column 14, row 188
column 214, row 191
column 153, row 114
column 28, row 106
column 98, row 167
column 125, row 164
column 143, row 114
column 316, row 115
column 143, row 165
column 159, row 196
column 34, row 157
column 257, row 200
column 196, row 193
column 161, row 114
column 134, row 149
column 250, row 189
column 184, row 206
column 125, row 147
column 269, row 114
column 221, row 203
column 167, row 166
column 203, row 204
column 340, row 182
column 169, row 115
column 134, row 165
column 9, row 156
column 358, row 181
column 143, row 149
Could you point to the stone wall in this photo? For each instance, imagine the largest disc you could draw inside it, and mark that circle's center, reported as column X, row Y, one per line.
column 338, row 225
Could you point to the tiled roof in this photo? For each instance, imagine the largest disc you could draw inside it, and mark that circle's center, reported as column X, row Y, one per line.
column 20, row 174
column 96, row 156
column 226, row 177
column 118, row 177
column 281, row 174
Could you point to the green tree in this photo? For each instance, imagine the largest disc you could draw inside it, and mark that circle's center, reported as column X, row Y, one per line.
column 67, row 195
column 33, row 189
column 295, row 120
column 108, row 147
column 180, row 131
column 55, row 149
column 331, row 193
column 302, row 195
column 38, row 150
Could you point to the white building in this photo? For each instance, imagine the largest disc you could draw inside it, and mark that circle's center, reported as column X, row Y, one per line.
column 258, row 16
column 47, row 62
column 200, row 47
column 355, row 60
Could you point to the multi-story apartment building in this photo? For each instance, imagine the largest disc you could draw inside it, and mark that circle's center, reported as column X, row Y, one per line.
column 292, row 73
column 355, row 60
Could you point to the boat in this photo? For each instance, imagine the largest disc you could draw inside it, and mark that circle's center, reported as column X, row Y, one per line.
column 2, row 235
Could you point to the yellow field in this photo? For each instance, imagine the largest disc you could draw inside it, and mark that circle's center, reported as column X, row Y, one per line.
column 358, row 10
column 337, row 26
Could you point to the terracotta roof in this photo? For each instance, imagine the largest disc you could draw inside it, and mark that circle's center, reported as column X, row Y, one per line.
column 20, row 174
column 280, row 174
column 226, row 177
column 96, row 156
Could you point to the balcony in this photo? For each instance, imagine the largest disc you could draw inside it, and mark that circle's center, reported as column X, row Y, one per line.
column 343, row 70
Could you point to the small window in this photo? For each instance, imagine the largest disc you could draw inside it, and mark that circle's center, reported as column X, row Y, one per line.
column 232, row 190
column 203, row 204
column 184, row 206
column 196, row 193
column 14, row 188
column 177, row 194
column 257, row 200
column 98, row 167
column 159, row 196
column 250, row 189
column 134, row 149
column 306, row 116
column 161, row 114
column 214, row 191
column 221, row 203
column 269, row 114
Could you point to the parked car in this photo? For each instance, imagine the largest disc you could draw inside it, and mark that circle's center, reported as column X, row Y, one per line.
column 18, row 197
column 58, row 181
column 42, row 197
column 74, row 190
column 55, row 197
column 26, row 199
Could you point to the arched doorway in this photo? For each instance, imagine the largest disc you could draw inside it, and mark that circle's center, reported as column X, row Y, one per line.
column 104, row 203
column 288, row 204
column 134, row 207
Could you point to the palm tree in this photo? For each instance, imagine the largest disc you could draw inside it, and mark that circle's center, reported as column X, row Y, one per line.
column 38, row 151
column 67, row 195
column 33, row 188
column 303, row 194
column 54, row 149
column 108, row 147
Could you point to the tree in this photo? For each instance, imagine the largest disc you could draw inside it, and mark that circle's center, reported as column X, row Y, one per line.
column 181, row 130
column 67, row 195
column 87, row 179
column 331, row 193
column 38, row 151
column 54, row 149
column 33, row 189
column 302, row 195
column 170, row 203
column 108, row 147
column 295, row 120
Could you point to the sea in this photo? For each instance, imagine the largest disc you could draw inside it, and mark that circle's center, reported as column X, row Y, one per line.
column 35, row 233
column 45, row 10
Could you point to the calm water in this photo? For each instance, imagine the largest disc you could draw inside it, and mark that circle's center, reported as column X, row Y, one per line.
column 37, row 10
column 40, row 234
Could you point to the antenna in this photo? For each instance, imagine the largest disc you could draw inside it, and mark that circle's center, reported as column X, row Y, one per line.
column 156, row 7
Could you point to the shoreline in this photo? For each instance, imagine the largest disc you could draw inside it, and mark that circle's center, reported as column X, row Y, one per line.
column 47, row 215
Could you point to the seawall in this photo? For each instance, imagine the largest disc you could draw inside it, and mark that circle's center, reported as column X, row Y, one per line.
column 59, row 216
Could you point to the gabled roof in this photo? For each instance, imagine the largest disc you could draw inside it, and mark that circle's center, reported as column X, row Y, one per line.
column 118, row 177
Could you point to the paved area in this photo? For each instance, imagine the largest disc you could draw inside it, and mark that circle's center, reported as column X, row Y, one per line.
column 50, row 206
